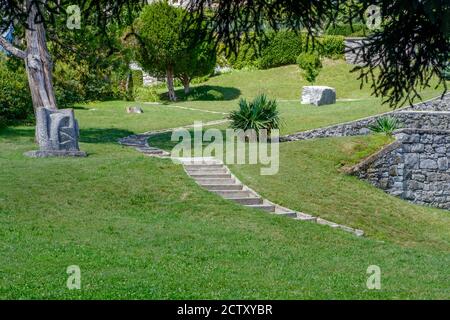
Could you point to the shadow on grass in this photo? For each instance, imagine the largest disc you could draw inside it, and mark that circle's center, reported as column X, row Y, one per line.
column 206, row 93
column 17, row 132
column 107, row 135
column 92, row 135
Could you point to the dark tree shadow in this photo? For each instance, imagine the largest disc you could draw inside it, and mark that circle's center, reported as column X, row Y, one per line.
column 206, row 93
column 107, row 135
column 17, row 132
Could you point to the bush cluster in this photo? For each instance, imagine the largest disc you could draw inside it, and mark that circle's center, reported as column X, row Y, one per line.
column 283, row 48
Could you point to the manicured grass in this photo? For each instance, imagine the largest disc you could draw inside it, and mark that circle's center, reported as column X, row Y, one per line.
column 140, row 228
column 285, row 84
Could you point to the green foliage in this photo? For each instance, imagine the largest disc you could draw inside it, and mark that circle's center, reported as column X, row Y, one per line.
column 77, row 82
column 359, row 30
column 386, row 125
column 310, row 64
column 283, row 49
column 259, row 114
column 331, row 46
column 163, row 43
column 138, row 80
column 15, row 97
column 246, row 58
column 146, row 94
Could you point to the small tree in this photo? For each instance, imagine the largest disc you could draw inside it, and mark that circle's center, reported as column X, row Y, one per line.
column 310, row 64
column 165, row 47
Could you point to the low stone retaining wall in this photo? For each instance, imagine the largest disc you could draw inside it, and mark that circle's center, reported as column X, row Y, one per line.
column 415, row 167
column 413, row 117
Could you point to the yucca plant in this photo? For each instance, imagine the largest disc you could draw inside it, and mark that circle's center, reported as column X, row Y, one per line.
column 261, row 113
column 386, row 125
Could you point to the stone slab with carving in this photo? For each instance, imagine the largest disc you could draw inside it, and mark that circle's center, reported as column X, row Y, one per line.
column 57, row 133
column 318, row 95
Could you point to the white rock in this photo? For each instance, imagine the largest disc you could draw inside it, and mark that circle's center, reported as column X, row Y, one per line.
column 318, row 95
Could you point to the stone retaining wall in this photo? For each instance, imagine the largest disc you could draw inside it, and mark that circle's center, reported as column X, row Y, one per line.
column 415, row 167
column 411, row 116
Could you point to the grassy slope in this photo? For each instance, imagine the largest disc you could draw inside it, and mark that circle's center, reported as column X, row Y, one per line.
column 285, row 84
column 139, row 228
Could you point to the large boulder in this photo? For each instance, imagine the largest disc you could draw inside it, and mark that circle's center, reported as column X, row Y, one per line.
column 318, row 95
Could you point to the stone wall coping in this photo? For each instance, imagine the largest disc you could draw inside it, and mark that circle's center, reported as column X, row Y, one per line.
column 365, row 163
column 425, row 111
column 422, row 131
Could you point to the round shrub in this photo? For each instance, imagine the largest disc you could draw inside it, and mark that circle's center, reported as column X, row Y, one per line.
column 310, row 64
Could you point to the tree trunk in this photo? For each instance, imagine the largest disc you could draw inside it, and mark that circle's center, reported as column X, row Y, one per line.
column 38, row 62
column 170, row 86
column 186, row 84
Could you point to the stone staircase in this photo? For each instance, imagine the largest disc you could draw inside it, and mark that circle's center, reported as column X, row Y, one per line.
column 214, row 176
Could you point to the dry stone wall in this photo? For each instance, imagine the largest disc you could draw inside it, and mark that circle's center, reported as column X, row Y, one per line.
column 415, row 167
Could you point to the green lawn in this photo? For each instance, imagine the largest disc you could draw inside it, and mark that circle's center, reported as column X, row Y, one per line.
column 285, row 84
column 138, row 227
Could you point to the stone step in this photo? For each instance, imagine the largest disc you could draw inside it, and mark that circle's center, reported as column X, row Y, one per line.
column 223, row 187
column 207, row 170
column 193, row 167
column 227, row 194
column 205, row 182
column 247, row 201
column 212, row 175
column 290, row 214
column 264, row 207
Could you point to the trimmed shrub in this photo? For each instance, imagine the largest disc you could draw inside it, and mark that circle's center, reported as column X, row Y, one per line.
column 310, row 64
column 259, row 114
column 283, row 49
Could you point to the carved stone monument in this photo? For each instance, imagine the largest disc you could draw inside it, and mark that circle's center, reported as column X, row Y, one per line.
column 57, row 134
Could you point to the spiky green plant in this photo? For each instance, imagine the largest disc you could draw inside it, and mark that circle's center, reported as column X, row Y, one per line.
column 386, row 125
column 261, row 113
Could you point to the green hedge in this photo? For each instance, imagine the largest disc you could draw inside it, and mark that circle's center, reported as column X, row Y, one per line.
column 283, row 48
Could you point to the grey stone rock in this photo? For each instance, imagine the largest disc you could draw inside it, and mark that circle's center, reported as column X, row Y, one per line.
column 318, row 95
column 443, row 164
column 137, row 110
column 428, row 164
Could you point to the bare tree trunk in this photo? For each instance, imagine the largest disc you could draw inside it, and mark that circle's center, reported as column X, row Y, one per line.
column 186, row 84
column 170, row 85
column 38, row 62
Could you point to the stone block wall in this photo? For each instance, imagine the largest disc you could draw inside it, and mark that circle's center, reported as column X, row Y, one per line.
column 415, row 167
